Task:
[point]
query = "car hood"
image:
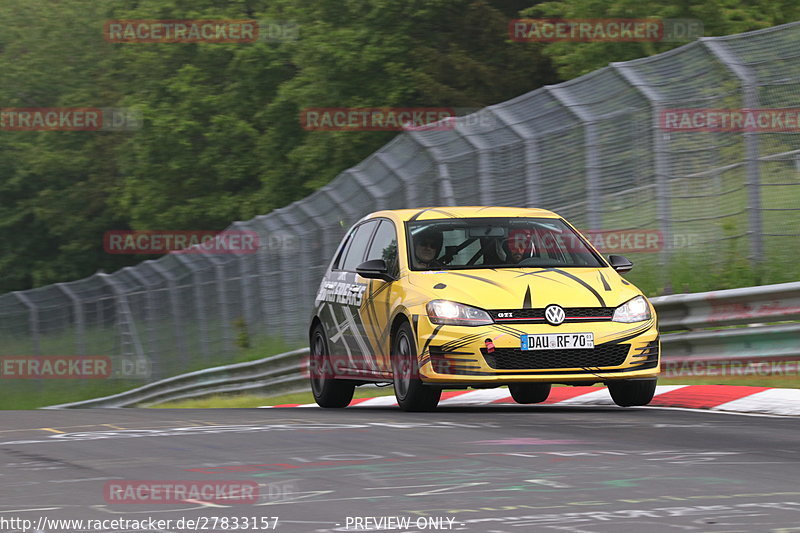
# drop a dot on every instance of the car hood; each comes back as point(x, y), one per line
point(526, 288)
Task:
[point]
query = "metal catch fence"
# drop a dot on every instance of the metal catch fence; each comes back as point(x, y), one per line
point(597, 149)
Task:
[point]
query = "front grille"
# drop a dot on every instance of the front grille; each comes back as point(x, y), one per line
point(536, 316)
point(516, 359)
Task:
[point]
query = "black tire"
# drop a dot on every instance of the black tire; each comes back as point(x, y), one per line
point(411, 393)
point(628, 393)
point(529, 392)
point(327, 391)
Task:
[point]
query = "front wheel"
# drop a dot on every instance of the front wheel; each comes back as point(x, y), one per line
point(529, 392)
point(411, 393)
point(328, 391)
point(629, 393)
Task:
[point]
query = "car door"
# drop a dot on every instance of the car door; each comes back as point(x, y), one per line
point(376, 305)
point(348, 291)
point(325, 302)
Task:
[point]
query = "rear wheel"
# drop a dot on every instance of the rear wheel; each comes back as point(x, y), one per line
point(628, 393)
point(328, 392)
point(529, 392)
point(411, 393)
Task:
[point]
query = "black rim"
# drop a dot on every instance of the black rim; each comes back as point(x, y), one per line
point(317, 363)
point(402, 378)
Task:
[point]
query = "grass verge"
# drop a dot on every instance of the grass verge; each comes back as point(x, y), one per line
point(34, 393)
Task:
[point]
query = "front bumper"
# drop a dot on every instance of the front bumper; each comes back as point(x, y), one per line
point(459, 354)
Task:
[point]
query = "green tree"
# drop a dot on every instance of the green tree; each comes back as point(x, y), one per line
point(719, 17)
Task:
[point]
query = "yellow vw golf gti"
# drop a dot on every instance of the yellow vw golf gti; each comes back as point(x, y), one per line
point(478, 297)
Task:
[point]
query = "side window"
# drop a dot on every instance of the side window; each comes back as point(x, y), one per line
point(384, 246)
point(342, 251)
point(358, 246)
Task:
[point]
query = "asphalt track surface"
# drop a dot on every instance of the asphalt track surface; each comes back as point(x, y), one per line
point(487, 469)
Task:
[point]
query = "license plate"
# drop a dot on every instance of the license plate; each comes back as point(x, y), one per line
point(557, 341)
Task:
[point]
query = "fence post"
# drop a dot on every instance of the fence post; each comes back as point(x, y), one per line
point(412, 197)
point(199, 302)
point(661, 168)
point(486, 196)
point(749, 85)
point(222, 300)
point(591, 145)
point(361, 177)
point(33, 321)
point(446, 196)
point(532, 171)
point(80, 323)
point(149, 309)
point(124, 320)
point(172, 289)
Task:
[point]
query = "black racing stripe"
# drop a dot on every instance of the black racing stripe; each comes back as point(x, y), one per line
point(470, 337)
point(433, 335)
point(526, 302)
point(580, 281)
point(508, 329)
point(415, 323)
point(627, 337)
point(460, 342)
point(625, 282)
point(606, 286)
point(538, 273)
point(490, 282)
point(637, 328)
point(388, 313)
point(417, 215)
point(372, 315)
point(382, 288)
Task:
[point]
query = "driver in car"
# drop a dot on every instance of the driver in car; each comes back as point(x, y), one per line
point(427, 245)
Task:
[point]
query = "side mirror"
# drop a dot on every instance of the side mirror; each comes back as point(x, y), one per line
point(374, 269)
point(620, 263)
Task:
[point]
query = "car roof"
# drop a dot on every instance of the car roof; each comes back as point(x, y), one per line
point(429, 213)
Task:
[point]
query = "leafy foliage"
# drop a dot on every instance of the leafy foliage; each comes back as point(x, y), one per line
point(221, 138)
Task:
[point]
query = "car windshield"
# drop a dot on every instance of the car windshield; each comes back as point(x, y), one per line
point(449, 244)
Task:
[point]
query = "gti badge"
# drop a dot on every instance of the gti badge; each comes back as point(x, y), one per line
point(554, 314)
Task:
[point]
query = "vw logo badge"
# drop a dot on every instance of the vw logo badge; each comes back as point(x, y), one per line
point(554, 314)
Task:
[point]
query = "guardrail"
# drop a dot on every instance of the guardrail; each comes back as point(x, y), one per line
point(684, 320)
point(277, 374)
point(748, 305)
point(766, 311)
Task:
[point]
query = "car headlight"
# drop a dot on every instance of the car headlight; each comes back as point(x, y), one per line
point(634, 310)
point(445, 312)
